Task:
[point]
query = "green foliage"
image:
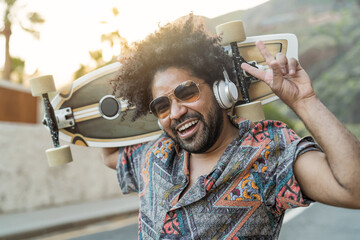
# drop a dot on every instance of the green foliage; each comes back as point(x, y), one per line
point(339, 87)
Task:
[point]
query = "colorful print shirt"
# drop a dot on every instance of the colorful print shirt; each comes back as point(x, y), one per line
point(243, 197)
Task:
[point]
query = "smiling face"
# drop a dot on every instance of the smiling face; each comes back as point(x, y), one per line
point(195, 126)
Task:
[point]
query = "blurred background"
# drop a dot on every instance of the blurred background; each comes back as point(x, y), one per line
point(70, 38)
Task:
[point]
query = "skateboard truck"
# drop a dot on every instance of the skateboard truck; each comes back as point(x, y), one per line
point(64, 118)
point(59, 155)
point(232, 33)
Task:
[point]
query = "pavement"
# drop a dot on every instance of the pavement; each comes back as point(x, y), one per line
point(320, 222)
point(315, 222)
point(29, 224)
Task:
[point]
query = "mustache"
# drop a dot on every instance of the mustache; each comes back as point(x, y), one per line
point(185, 117)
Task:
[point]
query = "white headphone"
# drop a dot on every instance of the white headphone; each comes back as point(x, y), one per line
point(225, 92)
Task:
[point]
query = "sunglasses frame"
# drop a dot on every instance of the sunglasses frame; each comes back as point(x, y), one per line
point(171, 92)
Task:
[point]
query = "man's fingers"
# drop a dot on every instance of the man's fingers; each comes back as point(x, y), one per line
point(293, 65)
point(283, 61)
point(277, 74)
point(253, 71)
point(264, 52)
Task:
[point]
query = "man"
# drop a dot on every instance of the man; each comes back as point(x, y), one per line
point(211, 176)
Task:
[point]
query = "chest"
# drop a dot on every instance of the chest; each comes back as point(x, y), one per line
point(198, 168)
point(188, 208)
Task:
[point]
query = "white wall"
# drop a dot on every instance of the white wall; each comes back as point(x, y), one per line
point(27, 183)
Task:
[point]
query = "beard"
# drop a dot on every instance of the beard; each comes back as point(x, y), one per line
point(207, 134)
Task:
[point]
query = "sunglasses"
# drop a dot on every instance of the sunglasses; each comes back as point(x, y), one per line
point(186, 92)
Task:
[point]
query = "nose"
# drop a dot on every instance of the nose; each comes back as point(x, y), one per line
point(177, 109)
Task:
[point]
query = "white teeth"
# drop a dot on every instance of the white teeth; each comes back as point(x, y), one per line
point(188, 125)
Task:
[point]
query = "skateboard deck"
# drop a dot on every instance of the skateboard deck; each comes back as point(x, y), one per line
point(88, 115)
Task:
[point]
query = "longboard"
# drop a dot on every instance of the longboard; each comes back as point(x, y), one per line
point(88, 115)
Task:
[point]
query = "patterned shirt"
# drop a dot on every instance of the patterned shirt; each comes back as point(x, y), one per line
point(243, 197)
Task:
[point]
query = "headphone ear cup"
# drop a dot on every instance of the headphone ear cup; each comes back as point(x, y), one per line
point(232, 92)
point(225, 94)
point(216, 94)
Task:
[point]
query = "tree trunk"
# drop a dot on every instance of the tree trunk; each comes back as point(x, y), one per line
point(8, 64)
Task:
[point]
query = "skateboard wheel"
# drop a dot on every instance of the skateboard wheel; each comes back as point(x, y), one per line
point(231, 32)
point(59, 156)
point(252, 111)
point(42, 85)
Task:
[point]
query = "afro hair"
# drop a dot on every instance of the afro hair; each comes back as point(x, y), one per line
point(183, 44)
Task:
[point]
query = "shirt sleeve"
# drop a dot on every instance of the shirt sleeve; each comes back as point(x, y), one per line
point(281, 189)
point(128, 167)
point(288, 193)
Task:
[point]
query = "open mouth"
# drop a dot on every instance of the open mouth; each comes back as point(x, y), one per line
point(188, 129)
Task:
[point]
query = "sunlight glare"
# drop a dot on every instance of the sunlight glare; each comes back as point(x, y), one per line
point(73, 28)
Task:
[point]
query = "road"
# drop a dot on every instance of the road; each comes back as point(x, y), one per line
point(323, 222)
point(316, 222)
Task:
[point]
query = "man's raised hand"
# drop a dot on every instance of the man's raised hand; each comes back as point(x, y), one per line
point(285, 77)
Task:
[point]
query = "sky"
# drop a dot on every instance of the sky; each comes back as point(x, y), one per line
point(72, 28)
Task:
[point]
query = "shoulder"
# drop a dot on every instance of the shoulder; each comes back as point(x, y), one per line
point(162, 149)
point(132, 150)
point(274, 131)
point(162, 146)
point(266, 129)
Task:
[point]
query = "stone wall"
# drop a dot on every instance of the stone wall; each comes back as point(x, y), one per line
point(27, 183)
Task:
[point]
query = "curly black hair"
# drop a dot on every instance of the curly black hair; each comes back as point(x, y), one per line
point(183, 44)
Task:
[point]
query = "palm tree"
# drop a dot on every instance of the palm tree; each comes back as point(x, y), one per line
point(9, 19)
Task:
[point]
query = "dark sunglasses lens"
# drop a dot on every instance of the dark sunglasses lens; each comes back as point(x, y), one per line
point(187, 92)
point(160, 107)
